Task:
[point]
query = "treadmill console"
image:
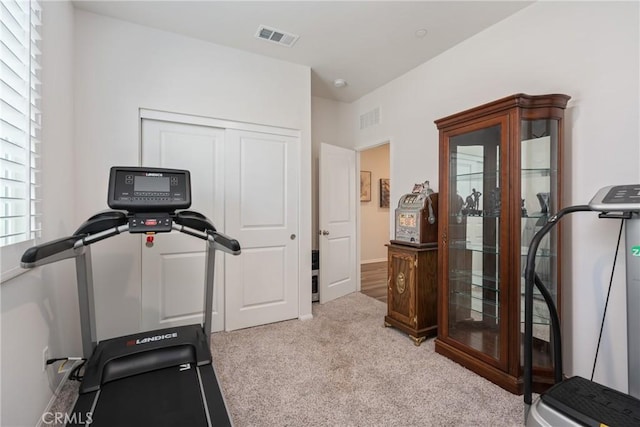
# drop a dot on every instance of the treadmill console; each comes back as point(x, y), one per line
point(143, 189)
point(617, 198)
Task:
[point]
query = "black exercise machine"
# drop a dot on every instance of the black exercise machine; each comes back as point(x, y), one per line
point(577, 401)
point(163, 377)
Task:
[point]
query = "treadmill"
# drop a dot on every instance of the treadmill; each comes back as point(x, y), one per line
point(577, 401)
point(163, 377)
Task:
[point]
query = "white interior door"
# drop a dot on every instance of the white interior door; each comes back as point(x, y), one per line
point(173, 270)
point(337, 220)
point(261, 211)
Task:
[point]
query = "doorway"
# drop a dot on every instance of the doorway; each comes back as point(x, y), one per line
point(375, 210)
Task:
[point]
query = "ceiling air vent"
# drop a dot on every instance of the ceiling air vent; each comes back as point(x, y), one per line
point(276, 36)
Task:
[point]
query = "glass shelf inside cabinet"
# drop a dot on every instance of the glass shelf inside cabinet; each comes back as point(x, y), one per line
point(476, 176)
point(482, 302)
point(476, 278)
point(537, 172)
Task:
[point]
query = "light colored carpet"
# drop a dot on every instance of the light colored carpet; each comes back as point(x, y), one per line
point(344, 368)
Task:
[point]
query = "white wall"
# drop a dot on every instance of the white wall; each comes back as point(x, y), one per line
point(121, 67)
point(588, 50)
point(374, 220)
point(40, 307)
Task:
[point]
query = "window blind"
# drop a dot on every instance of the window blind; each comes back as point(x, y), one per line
point(20, 121)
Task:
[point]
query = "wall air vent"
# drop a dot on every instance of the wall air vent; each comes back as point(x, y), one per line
point(276, 36)
point(370, 118)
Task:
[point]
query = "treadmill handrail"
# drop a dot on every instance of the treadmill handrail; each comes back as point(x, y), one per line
point(224, 243)
point(93, 238)
point(69, 247)
point(195, 220)
point(50, 252)
point(102, 221)
point(219, 240)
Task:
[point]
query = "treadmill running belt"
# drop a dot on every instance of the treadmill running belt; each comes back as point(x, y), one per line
point(166, 397)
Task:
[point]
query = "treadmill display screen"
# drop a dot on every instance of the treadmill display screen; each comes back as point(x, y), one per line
point(151, 184)
point(153, 190)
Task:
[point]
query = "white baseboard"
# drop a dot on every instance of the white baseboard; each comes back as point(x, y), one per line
point(306, 317)
point(371, 261)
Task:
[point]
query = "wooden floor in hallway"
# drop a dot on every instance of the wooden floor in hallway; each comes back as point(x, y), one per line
point(373, 280)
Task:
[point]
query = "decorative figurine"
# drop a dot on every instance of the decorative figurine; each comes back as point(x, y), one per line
point(543, 199)
point(476, 200)
point(458, 207)
point(492, 207)
point(468, 205)
point(472, 203)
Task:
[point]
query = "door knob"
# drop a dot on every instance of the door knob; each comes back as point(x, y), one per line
point(325, 233)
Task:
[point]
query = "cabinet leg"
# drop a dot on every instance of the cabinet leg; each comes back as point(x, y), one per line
point(417, 340)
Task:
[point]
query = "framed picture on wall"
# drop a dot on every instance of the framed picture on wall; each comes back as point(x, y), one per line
point(365, 186)
point(385, 192)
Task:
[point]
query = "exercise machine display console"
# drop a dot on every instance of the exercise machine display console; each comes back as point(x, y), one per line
point(577, 401)
point(149, 189)
point(620, 198)
point(163, 377)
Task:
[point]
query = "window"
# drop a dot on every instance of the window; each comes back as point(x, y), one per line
point(20, 131)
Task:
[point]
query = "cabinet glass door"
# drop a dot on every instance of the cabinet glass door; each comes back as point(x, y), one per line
point(539, 193)
point(474, 312)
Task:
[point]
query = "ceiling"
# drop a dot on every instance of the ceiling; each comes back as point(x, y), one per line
point(366, 43)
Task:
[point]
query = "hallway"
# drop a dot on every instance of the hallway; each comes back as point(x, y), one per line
point(374, 280)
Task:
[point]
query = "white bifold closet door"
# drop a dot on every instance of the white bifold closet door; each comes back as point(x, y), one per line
point(246, 182)
point(173, 269)
point(261, 209)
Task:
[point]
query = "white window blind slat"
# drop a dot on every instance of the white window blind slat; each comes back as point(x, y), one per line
point(12, 74)
point(20, 121)
point(13, 18)
point(15, 55)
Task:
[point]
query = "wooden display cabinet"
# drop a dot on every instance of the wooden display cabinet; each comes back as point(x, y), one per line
point(412, 290)
point(500, 179)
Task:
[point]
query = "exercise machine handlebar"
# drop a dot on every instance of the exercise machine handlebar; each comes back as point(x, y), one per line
point(111, 223)
point(531, 279)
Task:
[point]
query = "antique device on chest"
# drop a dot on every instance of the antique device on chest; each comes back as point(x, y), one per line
point(412, 266)
point(416, 218)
